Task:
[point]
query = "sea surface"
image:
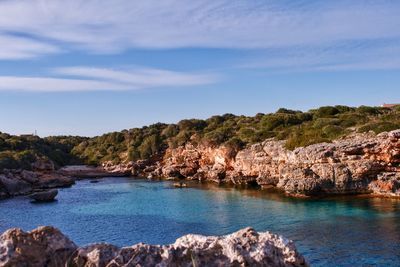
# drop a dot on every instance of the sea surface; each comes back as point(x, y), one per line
point(346, 231)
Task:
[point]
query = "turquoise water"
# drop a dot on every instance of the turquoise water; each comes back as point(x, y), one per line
point(330, 232)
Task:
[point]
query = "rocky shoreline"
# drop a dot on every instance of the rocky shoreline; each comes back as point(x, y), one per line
point(44, 177)
point(47, 246)
point(356, 164)
point(24, 182)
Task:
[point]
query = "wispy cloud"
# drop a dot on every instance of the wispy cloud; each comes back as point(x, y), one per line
point(100, 79)
point(141, 77)
point(305, 34)
point(110, 26)
point(12, 47)
point(378, 55)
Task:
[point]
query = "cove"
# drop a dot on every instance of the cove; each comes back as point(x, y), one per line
point(345, 231)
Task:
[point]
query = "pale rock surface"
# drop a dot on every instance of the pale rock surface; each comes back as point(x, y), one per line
point(243, 248)
point(345, 166)
point(44, 246)
point(47, 246)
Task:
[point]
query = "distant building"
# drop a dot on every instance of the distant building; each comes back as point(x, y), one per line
point(390, 105)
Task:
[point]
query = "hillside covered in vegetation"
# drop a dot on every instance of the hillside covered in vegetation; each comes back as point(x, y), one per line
point(21, 151)
point(298, 128)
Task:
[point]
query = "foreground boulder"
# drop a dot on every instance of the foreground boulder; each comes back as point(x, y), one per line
point(46, 246)
point(44, 196)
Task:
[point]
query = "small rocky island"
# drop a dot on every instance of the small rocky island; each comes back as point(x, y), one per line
point(47, 246)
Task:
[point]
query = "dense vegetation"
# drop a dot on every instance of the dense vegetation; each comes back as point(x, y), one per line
point(21, 151)
point(298, 128)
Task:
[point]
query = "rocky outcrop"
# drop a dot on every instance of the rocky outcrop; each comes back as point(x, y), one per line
point(387, 184)
point(345, 166)
point(23, 182)
point(45, 196)
point(355, 164)
point(85, 171)
point(46, 246)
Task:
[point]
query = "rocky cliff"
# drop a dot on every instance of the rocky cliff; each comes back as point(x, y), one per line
point(47, 246)
point(358, 163)
point(22, 182)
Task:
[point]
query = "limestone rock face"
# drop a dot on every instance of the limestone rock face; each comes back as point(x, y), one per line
point(345, 166)
point(14, 186)
point(23, 182)
point(85, 171)
point(350, 165)
point(43, 165)
point(44, 246)
point(243, 248)
point(387, 184)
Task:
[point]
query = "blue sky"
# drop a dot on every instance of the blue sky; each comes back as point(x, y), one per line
point(87, 67)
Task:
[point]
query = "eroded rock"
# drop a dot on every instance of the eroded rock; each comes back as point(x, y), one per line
point(387, 184)
point(47, 246)
point(243, 248)
point(345, 166)
point(44, 246)
point(45, 196)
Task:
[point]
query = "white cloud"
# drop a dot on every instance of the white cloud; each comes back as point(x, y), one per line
point(347, 56)
point(12, 47)
point(98, 79)
point(48, 84)
point(140, 77)
point(292, 34)
point(105, 26)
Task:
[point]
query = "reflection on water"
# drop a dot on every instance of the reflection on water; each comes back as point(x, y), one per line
point(340, 231)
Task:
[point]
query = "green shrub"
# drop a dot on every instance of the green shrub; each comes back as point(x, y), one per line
point(379, 127)
point(324, 112)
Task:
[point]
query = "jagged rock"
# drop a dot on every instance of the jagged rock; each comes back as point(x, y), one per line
point(387, 184)
point(54, 180)
point(347, 165)
point(94, 255)
point(44, 196)
point(47, 246)
point(44, 246)
point(171, 171)
point(43, 165)
point(14, 186)
point(29, 176)
point(22, 182)
point(84, 171)
point(243, 248)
